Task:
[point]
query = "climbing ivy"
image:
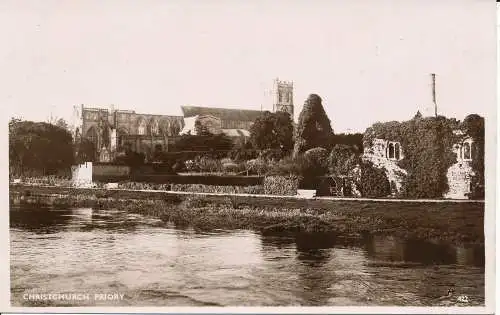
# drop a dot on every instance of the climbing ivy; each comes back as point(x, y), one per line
point(427, 145)
point(473, 125)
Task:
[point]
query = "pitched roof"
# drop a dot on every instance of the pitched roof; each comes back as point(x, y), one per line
point(222, 113)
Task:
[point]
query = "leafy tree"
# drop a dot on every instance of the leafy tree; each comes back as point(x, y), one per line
point(62, 123)
point(272, 131)
point(39, 148)
point(85, 151)
point(343, 158)
point(314, 128)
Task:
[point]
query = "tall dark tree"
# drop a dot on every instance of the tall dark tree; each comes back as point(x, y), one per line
point(314, 128)
point(272, 131)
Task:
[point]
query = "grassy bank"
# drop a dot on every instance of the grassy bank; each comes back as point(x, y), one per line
point(453, 223)
point(457, 223)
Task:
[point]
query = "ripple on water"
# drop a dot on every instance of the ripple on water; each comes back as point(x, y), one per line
point(154, 264)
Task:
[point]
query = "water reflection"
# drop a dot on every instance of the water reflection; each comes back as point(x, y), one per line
point(156, 263)
point(39, 220)
point(391, 249)
point(50, 220)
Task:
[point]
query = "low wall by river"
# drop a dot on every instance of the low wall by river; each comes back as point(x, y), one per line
point(16, 191)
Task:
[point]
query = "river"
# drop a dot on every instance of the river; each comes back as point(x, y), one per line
point(87, 257)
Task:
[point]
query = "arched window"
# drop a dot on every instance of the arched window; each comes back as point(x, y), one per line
point(391, 151)
point(91, 135)
point(467, 151)
point(141, 127)
point(122, 137)
point(155, 127)
point(397, 153)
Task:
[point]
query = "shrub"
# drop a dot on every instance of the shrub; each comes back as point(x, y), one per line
point(316, 162)
point(343, 158)
point(232, 167)
point(374, 182)
point(200, 188)
point(311, 164)
point(288, 166)
point(257, 166)
point(197, 179)
point(207, 164)
point(179, 166)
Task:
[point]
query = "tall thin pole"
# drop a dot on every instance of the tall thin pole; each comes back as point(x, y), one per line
point(433, 75)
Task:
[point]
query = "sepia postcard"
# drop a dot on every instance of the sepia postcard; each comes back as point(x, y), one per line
point(169, 156)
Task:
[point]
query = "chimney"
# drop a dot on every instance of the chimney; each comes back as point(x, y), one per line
point(433, 75)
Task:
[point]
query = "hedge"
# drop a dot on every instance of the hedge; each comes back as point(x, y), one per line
point(185, 179)
point(281, 185)
point(199, 188)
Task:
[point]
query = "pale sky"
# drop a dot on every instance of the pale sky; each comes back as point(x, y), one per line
point(369, 60)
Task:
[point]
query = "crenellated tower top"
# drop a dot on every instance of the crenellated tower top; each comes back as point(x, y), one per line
point(283, 96)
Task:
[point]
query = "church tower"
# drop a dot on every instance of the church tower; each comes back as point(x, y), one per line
point(283, 97)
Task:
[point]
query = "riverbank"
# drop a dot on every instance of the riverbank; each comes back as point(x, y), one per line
point(457, 222)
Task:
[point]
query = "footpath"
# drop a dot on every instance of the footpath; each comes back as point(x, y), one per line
point(159, 194)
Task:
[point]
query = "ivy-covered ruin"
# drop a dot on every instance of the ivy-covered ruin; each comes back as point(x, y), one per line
point(423, 156)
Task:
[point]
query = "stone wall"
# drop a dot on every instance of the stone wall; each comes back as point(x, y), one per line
point(110, 170)
point(378, 155)
point(459, 180)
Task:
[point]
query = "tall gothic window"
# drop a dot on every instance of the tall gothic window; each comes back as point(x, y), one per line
point(141, 128)
point(397, 152)
point(467, 151)
point(155, 128)
point(391, 150)
point(92, 135)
